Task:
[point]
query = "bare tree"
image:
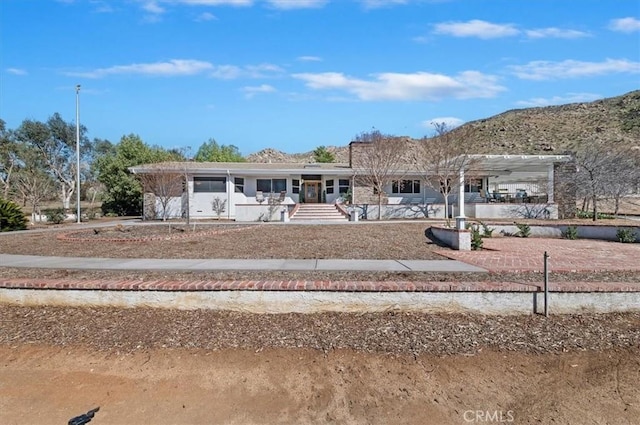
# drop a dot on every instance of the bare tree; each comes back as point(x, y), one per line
point(623, 176)
point(166, 184)
point(605, 172)
point(443, 157)
point(378, 162)
point(219, 206)
point(55, 143)
point(34, 186)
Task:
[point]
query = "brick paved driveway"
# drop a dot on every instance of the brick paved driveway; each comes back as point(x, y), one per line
point(520, 254)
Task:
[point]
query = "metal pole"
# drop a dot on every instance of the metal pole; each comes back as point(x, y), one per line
point(546, 285)
point(78, 152)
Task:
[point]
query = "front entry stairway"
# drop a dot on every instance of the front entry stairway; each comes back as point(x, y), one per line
point(318, 212)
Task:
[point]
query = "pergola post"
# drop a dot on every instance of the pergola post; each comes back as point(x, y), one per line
point(550, 183)
point(460, 224)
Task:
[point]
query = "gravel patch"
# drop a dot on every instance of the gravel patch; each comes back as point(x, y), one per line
point(126, 330)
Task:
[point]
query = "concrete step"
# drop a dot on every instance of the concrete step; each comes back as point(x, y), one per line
point(324, 212)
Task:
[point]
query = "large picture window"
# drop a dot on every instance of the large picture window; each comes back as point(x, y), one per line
point(209, 184)
point(406, 186)
point(271, 185)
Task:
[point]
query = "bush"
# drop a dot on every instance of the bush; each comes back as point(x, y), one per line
point(524, 230)
point(476, 239)
point(589, 214)
point(56, 216)
point(487, 231)
point(626, 235)
point(11, 216)
point(571, 233)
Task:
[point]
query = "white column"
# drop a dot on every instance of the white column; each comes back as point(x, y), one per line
point(460, 225)
point(550, 184)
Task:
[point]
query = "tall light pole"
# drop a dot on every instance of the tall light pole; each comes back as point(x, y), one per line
point(78, 151)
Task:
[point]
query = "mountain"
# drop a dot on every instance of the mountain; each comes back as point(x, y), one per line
point(533, 131)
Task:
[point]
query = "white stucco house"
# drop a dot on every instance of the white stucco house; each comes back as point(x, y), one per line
point(501, 186)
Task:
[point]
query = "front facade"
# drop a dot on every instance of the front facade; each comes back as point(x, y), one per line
point(501, 186)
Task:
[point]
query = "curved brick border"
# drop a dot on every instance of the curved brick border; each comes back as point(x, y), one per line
point(306, 285)
point(68, 237)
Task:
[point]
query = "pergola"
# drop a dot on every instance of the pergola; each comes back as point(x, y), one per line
point(510, 169)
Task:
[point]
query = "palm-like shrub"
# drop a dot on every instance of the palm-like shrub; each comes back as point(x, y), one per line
point(11, 216)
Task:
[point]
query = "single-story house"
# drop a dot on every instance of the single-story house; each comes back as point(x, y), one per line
point(500, 186)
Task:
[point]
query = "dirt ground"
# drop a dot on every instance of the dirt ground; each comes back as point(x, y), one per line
point(153, 366)
point(49, 385)
point(144, 366)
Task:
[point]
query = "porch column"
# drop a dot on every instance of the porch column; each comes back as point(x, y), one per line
point(460, 225)
point(550, 184)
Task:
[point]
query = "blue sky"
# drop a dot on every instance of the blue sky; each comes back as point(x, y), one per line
point(296, 74)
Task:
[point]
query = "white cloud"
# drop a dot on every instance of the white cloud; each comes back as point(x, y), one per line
point(559, 100)
point(374, 4)
point(297, 4)
point(16, 71)
point(309, 59)
point(555, 33)
point(251, 91)
point(101, 6)
point(547, 70)
point(476, 28)
point(226, 72)
point(625, 24)
point(206, 16)
point(174, 67)
point(449, 122)
point(212, 2)
point(184, 67)
point(400, 87)
point(152, 7)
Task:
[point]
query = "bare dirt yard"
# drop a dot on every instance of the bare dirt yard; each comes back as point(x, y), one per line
point(162, 366)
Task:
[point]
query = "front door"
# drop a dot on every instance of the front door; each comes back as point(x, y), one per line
point(312, 192)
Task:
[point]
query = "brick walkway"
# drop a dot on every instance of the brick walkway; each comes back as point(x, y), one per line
point(499, 255)
point(526, 254)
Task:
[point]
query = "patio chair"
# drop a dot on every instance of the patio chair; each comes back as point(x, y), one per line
point(259, 196)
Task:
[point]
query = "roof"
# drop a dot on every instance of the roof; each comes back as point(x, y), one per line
point(247, 168)
point(486, 164)
point(511, 163)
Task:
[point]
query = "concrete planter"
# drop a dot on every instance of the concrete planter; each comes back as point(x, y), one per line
point(459, 240)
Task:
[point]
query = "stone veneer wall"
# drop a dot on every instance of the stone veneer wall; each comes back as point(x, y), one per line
point(564, 188)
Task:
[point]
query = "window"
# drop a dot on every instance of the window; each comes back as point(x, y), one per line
point(343, 186)
point(329, 186)
point(239, 184)
point(295, 185)
point(473, 185)
point(209, 184)
point(405, 186)
point(271, 185)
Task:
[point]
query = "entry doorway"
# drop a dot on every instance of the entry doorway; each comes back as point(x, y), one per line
point(312, 191)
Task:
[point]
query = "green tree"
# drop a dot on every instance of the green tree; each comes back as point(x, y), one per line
point(322, 154)
point(11, 216)
point(211, 151)
point(9, 160)
point(55, 142)
point(123, 191)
